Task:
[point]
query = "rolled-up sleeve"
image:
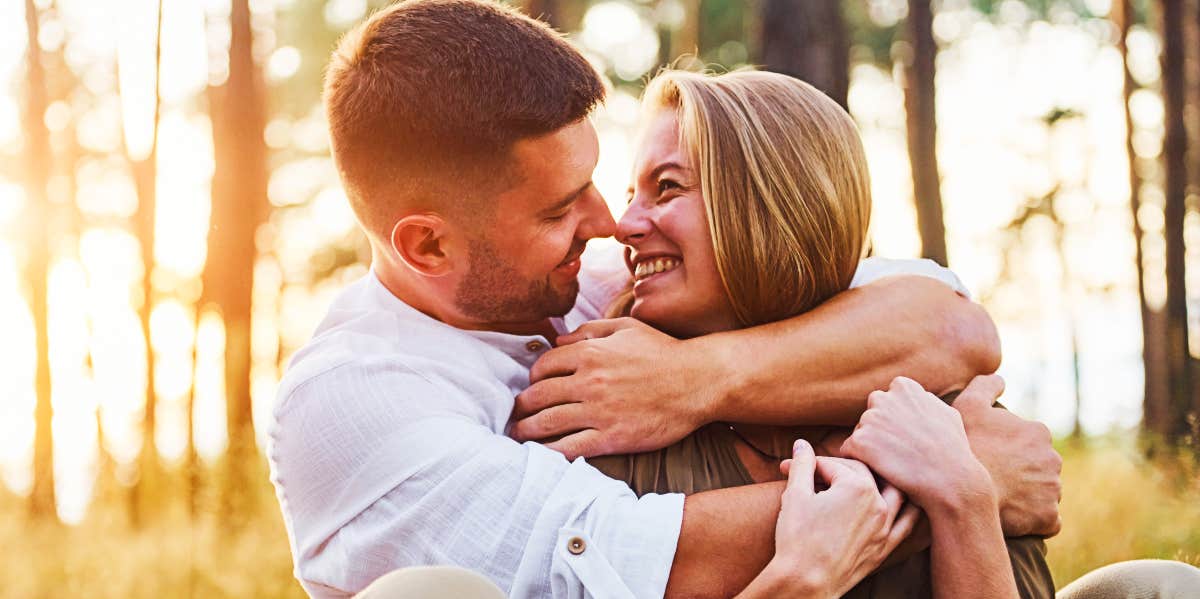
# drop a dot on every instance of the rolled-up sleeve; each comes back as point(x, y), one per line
point(874, 268)
point(371, 480)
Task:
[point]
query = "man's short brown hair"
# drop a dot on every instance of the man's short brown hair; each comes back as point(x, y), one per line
point(426, 97)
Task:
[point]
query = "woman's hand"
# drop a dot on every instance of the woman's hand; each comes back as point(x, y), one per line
point(827, 541)
point(918, 443)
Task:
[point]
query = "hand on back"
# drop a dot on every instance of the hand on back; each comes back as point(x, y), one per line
point(1019, 455)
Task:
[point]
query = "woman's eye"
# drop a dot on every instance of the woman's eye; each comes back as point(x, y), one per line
point(667, 184)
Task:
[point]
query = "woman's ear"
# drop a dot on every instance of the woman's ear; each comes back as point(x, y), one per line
point(422, 241)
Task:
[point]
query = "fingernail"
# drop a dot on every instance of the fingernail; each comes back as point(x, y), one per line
point(798, 445)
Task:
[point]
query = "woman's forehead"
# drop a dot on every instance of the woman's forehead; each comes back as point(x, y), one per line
point(658, 143)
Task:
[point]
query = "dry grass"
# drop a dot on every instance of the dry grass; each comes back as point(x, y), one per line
point(1116, 506)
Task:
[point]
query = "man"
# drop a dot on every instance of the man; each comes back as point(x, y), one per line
point(459, 130)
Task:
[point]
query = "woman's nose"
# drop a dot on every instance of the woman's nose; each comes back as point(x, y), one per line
point(634, 225)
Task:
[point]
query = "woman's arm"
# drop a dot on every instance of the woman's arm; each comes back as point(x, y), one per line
point(968, 556)
point(918, 443)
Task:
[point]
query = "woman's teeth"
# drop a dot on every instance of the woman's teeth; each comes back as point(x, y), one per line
point(654, 266)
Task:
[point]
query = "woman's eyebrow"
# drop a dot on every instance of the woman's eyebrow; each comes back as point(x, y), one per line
point(664, 166)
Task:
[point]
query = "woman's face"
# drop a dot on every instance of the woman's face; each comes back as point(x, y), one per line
point(669, 246)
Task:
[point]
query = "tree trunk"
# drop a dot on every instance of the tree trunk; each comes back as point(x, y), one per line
point(1195, 46)
point(806, 39)
point(1153, 343)
point(145, 179)
point(922, 131)
point(42, 502)
point(1174, 154)
point(239, 205)
point(685, 41)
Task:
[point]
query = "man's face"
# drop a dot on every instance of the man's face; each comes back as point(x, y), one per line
point(524, 261)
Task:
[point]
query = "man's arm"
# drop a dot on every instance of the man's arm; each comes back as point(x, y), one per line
point(622, 386)
point(374, 471)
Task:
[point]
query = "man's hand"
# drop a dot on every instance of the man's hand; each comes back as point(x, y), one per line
point(607, 389)
point(1018, 455)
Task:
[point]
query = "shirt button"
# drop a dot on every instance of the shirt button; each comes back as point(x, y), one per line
point(535, 346)
point(576, 545)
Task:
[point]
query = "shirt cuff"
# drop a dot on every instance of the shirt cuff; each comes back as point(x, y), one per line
point(622, 543)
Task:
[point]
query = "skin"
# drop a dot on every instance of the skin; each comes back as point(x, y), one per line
point(666, 218)
point(918, 443)
point(621, 386)
point(816, 373)
point(848, 545)
point(727, 536)
point(538, 225)
point(523, 256)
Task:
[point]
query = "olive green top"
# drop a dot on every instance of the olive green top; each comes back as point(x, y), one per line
point(707, 459)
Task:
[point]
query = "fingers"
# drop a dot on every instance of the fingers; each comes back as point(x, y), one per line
point(903, 383)
point(840, 470)
point(875, 398)
point(785, 467)
point(551, 422)
point(852, 447)
point(801, 468)
point(542, 395)
point(586, 443)
point(560, 361)
point(594, 330)
point(902, 526)
point(893, 498)
point(980, 393)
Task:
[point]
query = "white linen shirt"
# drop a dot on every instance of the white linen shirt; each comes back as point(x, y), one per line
point(387, 449)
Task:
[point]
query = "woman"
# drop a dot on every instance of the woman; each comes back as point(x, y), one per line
point(751, 204)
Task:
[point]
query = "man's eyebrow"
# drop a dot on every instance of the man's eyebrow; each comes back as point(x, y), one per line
point(566, 201)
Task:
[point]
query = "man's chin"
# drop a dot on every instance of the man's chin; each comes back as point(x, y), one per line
point(565, 299)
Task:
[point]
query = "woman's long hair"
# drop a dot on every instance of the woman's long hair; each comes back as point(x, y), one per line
point(784, 179)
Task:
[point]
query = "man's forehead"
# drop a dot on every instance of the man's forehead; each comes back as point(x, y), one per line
point(559, 162)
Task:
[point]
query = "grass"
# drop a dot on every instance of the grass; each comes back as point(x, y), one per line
point(1116, 505)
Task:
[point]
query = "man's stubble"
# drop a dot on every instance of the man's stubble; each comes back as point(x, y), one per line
point(494, 291)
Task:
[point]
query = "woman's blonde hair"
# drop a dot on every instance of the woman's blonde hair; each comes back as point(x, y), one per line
point(785, 184)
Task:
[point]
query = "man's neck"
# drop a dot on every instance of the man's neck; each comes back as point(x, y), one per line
point(431, 307)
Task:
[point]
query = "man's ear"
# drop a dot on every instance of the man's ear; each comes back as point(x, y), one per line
point(423, 242)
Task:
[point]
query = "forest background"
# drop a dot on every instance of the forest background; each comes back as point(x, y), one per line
point(172, 229)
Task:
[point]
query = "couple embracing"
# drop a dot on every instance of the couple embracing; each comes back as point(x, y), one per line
point(736, 404)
